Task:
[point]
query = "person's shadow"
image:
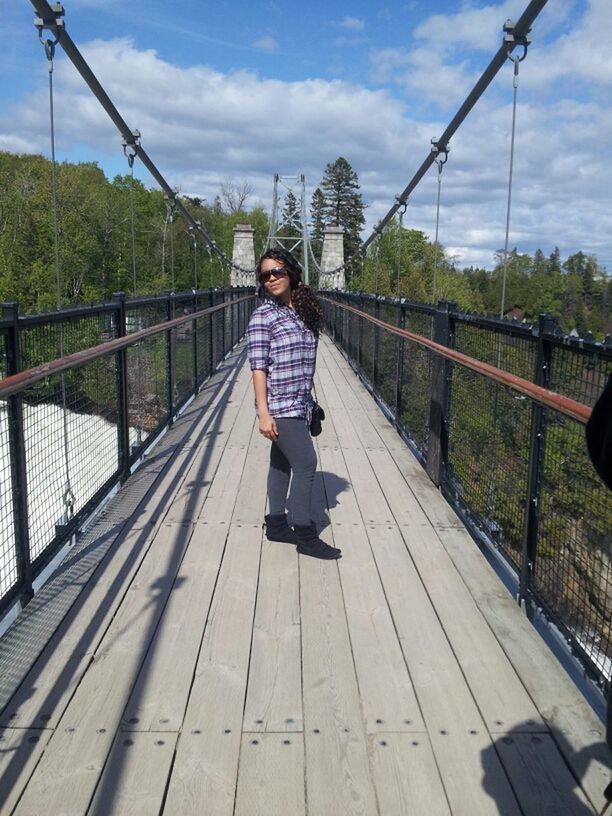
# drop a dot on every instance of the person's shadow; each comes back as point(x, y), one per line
point(325, 491)
point(538, 767)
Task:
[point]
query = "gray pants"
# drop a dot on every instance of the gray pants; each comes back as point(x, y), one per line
point(292, 454)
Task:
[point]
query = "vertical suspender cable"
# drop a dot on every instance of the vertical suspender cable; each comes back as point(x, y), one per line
point(516, 60)
point(68, 495)
point(130, 149)
point(400, 232)
point(441, 157)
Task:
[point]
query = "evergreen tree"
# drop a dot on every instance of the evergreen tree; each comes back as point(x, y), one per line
point(344, 207)
point(290, 218)
point(317, 221)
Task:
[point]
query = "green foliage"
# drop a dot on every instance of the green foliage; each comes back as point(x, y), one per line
point(577, 291)
point(95, 236)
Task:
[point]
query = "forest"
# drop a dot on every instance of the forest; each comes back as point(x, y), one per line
point(95, 248)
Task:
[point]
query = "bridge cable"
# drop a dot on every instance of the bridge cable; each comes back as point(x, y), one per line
point(49, 17)
point(170, 207)
point(68, 496)
point(129, 151)
point(441, 157)
point(520, 30)
point(400, 231)
point(516, 59)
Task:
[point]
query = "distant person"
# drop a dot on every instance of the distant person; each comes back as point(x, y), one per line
point(282, 347)
point(599, 444)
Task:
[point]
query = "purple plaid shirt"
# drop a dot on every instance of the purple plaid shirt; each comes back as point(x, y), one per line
point(280, 344)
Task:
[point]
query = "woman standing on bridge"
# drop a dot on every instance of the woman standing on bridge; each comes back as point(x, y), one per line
point(282, 346)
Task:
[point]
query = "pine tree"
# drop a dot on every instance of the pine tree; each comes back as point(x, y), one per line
point(344, 207)
point(317, 221)
point(290, 218)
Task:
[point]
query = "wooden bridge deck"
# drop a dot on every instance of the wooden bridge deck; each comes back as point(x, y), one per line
point(203, 670)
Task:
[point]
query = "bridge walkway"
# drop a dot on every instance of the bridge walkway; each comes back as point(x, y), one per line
point(203, 669)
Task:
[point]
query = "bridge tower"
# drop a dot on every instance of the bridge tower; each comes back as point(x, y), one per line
point(289, 224)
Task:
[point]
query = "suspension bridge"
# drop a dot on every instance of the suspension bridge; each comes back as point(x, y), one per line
point(161, 656)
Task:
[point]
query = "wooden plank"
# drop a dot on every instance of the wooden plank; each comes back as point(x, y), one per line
point(363, 414)
point(577, 729)
point(160, 695)
point(50, 684)
point(68, 772)
point(250, 504)
point(388, 700)
point(501, 698)
point(406, 775)
point(134, 779)
point(338, 776)
point(274, 695)
point(20, 751)
point(542, 781)
point(455, 726)
point(271, 778)
point(204, 773)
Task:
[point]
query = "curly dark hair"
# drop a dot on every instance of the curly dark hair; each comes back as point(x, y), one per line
point(304, 300)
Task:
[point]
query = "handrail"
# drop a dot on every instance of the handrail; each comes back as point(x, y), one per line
point(565, 405)
point(24, 379)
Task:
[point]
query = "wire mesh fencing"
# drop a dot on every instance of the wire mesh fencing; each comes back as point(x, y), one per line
point(517, 472)
point(67, 438)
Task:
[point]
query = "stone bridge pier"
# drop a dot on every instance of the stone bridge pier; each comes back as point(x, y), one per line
point(332, 259)
point(243, 255)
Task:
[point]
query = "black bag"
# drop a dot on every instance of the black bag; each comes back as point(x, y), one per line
point(318, 415)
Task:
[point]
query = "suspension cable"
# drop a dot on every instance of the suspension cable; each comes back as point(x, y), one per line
point(68, 496)
point(48, 18)
point(400, 230)
point(170, 207)
point(130, 150)
point(440, 158)
point(520, 30)
point(516, 59)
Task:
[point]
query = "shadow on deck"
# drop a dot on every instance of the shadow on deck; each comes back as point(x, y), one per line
point(185, 665)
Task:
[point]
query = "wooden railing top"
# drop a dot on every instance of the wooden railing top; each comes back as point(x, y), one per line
point(543, 396)
point(25, 379)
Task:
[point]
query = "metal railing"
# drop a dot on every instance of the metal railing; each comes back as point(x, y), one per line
point(83, 392)
point(495, 412)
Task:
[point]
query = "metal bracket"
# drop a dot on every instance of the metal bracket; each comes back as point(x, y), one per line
point(440, 153)
point(512, 40)
point(130, 147)
point(56, 26)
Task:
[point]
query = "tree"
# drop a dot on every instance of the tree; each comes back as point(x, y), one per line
point(344, 207)
point(234, 196)
point(290, 226)
point(317, 221)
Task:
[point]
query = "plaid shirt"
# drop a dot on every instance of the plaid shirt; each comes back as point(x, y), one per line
point(280, 344)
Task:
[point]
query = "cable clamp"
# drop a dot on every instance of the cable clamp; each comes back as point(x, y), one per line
point(130, 147)
point(512, 40)
point(440, 153)
point(56, 26)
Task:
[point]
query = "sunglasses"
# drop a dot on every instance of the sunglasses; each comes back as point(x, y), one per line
point(278, 272)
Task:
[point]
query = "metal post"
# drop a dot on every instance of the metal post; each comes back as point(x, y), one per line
point(223, 314)
point(211, 334)
point(123, 421)
point(437, 448)
point(360, 332)
point(546, 325)
point(194, 336)
point(169, 366)
point(19, 482)
point(375, 366)
point(399, 372)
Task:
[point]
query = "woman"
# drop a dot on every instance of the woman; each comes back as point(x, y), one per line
point(282, 346)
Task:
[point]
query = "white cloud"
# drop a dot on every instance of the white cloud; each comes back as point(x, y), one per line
point(265, 43)
point(352, 23)
point(202, 126)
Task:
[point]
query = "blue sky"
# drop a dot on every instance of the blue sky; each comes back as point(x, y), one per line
point(244, 90)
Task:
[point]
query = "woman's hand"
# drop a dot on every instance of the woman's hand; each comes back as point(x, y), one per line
point(267, 427)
